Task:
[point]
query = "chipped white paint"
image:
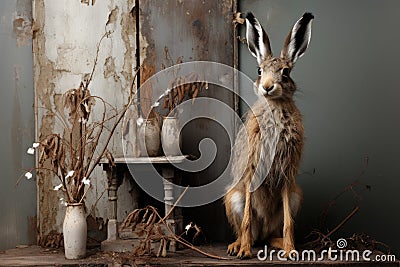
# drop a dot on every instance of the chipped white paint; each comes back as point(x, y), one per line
point(143, 47)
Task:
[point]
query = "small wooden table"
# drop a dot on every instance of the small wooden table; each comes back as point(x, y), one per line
point(115, 175)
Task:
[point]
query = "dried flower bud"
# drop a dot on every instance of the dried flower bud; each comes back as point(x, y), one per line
point(28, 175)
point(139, 121)
point(57, 187)
point(70, 174)
point(85, 181)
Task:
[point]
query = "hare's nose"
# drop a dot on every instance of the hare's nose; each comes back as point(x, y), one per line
point(269, 89)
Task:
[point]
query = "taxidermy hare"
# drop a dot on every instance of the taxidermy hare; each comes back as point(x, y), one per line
point(264, 197)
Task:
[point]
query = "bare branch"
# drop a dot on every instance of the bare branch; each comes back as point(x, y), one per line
point(131, 98)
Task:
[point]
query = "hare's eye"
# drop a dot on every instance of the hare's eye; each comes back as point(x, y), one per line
point(259, 70)
point(285, 72)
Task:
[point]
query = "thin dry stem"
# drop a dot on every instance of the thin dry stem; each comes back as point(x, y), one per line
point(325, 238)
point(106, 34)
point(131, 98)
point(133, 217)
point(348, 217)
point(348, 188)
point(75, 148)
point(176, 203)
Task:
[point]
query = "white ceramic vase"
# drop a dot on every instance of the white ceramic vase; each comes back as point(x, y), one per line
point(75, 232)
point(170, 136)
point(149, 138)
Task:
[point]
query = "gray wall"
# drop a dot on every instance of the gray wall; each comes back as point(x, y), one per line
point(349, 96)
point(17, 203)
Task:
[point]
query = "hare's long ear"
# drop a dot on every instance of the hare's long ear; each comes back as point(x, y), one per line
point(257, 39)
point(298, 38)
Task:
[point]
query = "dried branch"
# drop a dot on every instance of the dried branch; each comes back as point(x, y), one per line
point(350, 188)
point(348, 217)
point(84, 194)
point(131, 98)
point(187, 244)
point(323, 240)
point(182, 88)
point(72, 151)
point(58, 116)
point(176, 203)
point(106, 34)
point(146, 224)
point(97, 138)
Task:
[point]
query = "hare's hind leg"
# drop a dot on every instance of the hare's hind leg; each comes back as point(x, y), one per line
point(245, 228)
point(291, 198)
point(234, 206)
point(238, 211)
point(295, 199)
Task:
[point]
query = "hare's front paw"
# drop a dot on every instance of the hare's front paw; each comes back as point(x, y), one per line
point(244, 252)
point(233, 248)
point(287, 250)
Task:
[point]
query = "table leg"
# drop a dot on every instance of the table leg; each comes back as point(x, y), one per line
point(174, 220)
point(112, 231)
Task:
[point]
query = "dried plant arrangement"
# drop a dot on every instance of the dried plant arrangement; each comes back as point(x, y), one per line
point(180, 88)
point(73, 152)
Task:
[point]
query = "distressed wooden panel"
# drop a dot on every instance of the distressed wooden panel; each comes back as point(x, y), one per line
point(189, 30)
point(192, 30)
point(66, 44)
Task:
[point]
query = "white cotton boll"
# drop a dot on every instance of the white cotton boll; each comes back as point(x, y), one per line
point(70, 174)
point(57, 187)
point(35, 145)
point(156, 104)
point(139, 121)
point(188, 227)
point(30, 151)
point(86, 181)
point(28, 175)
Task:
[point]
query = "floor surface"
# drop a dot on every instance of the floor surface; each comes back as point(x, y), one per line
point(37, 256)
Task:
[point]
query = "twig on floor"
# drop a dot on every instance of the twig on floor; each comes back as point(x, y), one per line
point(145, 225)
point(348, 217)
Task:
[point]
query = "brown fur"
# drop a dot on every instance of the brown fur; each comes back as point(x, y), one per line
point(264, 208)
point(264, 197)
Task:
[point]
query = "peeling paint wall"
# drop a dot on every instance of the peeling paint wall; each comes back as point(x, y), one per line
point(66, 38)
point(17, 203)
